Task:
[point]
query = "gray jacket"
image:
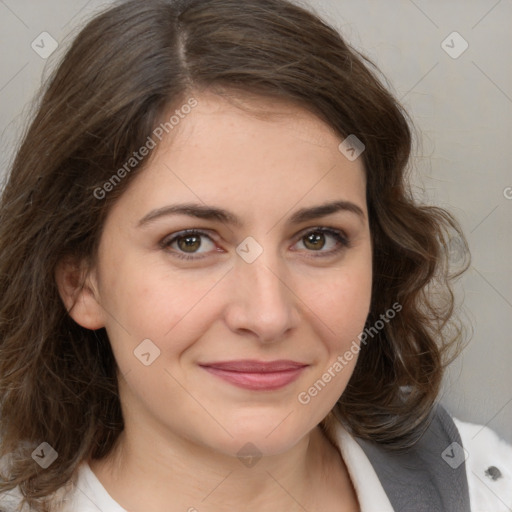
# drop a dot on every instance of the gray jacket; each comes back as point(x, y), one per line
point(431, 476)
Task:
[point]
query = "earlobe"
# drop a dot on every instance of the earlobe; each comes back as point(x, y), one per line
point(78, 291)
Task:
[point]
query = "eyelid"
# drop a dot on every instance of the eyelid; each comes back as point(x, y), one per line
point(324, 229)
point(184, 232)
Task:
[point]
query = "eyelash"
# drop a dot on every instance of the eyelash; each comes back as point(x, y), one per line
point(339, 236)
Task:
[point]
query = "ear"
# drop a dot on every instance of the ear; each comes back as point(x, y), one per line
point(77, 285)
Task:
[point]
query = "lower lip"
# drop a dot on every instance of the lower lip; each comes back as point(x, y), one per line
point(258, 381)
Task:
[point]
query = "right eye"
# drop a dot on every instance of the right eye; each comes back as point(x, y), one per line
point(185, 244)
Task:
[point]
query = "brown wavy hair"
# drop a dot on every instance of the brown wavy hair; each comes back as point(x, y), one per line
point(128, 66)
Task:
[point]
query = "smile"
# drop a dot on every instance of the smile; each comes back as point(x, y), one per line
point(257, 375)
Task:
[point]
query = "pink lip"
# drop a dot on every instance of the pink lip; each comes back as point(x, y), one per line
point(257, 375)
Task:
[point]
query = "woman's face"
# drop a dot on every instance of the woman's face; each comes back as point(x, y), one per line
point(275, 268)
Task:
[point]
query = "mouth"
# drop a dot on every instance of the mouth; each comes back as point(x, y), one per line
point(256, 375)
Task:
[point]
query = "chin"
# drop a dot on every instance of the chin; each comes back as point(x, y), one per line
point(265, 435)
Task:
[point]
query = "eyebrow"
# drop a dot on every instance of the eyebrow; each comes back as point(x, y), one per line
point(201, 211)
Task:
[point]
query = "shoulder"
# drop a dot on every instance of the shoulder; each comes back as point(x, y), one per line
point(454, 466)
point(488, 467)
point(416, 477)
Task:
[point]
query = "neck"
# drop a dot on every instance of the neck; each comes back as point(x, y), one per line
point(148, 476)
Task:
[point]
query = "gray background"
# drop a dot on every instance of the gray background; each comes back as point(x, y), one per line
point(462, 108)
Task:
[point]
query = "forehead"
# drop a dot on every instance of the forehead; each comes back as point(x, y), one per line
point(249, 151)
point(251, 120)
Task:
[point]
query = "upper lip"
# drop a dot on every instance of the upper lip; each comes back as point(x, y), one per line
point(254, 366)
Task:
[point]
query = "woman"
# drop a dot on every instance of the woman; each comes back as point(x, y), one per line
point(217, 288)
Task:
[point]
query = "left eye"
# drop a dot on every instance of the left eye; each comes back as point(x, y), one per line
point(323, 240)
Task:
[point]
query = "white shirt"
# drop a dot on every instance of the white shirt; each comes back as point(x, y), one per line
point(488, 468)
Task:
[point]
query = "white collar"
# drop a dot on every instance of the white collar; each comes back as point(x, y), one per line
point(369, 490)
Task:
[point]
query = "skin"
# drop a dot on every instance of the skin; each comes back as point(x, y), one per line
point(297, 301)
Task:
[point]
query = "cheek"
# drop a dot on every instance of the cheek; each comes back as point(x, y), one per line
point(342, 302)
point(339, 315)
point(341, 310)
point(147, 301)
point(350, 307)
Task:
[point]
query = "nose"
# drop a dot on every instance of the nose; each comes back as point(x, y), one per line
point(262, 302)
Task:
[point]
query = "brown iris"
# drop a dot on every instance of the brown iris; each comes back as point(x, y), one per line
point(189, 243)
point(314, 240)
